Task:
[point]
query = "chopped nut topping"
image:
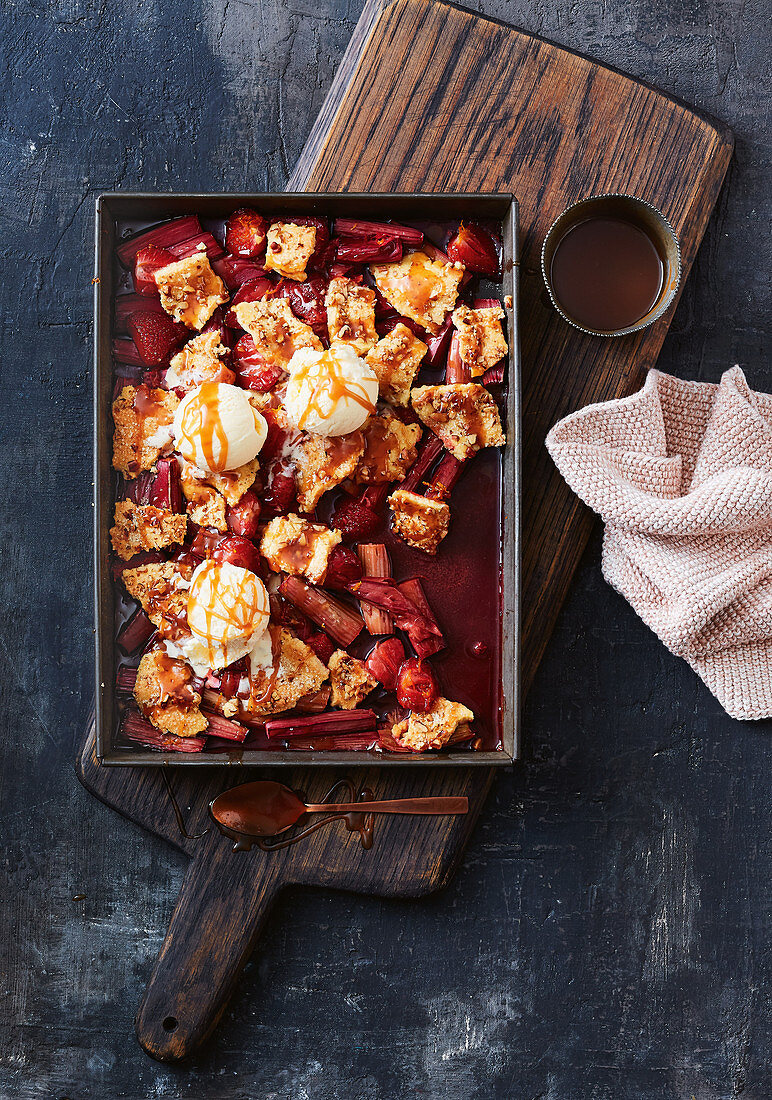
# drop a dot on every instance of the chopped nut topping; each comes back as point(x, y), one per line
point(390, 448)
point(323, 462)
point(198, 362)
point(144, 527)
point(420, 288)
point(275, 329)
point(300, 673)
point(289, 249)
point(395, 360)
point(143, 427)
point(351, 314)
point(463, 415)
point(162, 589)
point(433, 728)
point(291, 544)
point(166, 695)
point(420, 522)
point(481, 342)
point(350, 680)
point(190, 290)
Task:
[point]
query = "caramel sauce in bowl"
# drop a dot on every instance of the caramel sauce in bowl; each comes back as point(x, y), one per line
point(611, 264)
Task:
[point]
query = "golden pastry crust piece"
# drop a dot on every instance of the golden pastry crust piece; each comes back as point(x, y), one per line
point(351, 314)
point(481, 342)
point(206, 507)
point(143, 427)
point(288, 249)
point(350, 680)
point(199, 361)
point(419, 521)
point(291, 544)
point(390, 448)
point(433, 728)
point(166, 696)
point(276, 331)
point(420, 288)
point(322, 462)
point(141, 527)
point(190, 291)
point(395, 360)
point(464, 416)
point(300, 673)
point(162, 590)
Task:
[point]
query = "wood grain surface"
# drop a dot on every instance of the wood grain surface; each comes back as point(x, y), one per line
point(477, 105)
point(545, 136)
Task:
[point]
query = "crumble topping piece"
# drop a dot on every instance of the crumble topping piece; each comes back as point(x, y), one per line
point(199, 361)
point(351, 314)
point(190, 290)
point(463, 415)
point(433, 728)
point(143, 427)
point(390, 448)
point(206, 507)
point(299, 673)
point(481, 342)
point(291, 544)
point(420, 288)
point(289, 249)
point(322, 462)
point(166, 695)
point(275, 329)
point(350, 680)
point(162, 589)
point(144, 527)
point(419, 521)
point(395, 360)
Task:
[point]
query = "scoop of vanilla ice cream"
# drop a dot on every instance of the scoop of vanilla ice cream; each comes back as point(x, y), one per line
point(228, 612)
point(330, 392)
point(215, 428)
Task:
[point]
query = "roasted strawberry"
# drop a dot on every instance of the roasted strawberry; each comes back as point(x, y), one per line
point(245, 233)
point(307, 300)
point(322, 646)
point(250, 366)
point(475, 248)
point(355, 520)
point(251, 291)
point(238, 551)
point(155, 336)
point(416, 686)
point(278, 497)
point(205, 542)
point(149, 260)
point(244, 517)
point(385, 660)
point(343, 568)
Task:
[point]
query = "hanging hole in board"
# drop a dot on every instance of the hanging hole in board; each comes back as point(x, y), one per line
point(170, 1023)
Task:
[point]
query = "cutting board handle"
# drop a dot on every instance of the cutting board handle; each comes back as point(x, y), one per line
point(224, 901)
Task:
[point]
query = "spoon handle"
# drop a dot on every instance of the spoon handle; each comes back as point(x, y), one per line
point(438, 805)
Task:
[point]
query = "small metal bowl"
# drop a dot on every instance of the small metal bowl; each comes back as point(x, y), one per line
point(633, 209)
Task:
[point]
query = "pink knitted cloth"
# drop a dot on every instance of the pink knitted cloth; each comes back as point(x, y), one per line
point(681, 473)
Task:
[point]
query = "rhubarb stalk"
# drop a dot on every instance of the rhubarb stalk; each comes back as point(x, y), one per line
point(321, 725)
point(375, 563)
point(456, 369)
point(334, 617)
point(429, 450)
point(137, 728)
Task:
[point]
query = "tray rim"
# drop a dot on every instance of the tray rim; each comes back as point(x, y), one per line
point(102, 384)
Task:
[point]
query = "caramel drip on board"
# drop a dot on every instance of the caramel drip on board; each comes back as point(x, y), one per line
point(330, 388)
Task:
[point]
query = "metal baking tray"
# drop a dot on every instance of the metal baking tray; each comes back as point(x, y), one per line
point(139, 210)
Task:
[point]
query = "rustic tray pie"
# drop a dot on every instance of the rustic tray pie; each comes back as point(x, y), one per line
point(472, 584)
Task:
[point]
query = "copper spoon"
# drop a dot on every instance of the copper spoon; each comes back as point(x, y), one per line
point(266, 808)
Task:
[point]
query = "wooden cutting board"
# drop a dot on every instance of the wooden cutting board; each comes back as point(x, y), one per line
point(432, 97)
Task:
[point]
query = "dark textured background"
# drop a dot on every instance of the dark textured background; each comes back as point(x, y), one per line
point(605, 935)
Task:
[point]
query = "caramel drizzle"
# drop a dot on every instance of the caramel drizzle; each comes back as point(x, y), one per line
point(330, 388)
point(416, 281)
point(262, 684)
point(201, 421)
point(240, 615)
